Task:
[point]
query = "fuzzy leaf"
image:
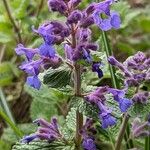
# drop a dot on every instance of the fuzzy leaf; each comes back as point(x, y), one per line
point(43, 145)
point(57, 78)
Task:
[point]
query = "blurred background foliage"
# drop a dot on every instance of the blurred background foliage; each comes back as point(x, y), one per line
point(27, 104)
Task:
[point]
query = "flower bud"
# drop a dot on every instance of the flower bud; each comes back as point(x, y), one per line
point(74, 17)
point(57, 5)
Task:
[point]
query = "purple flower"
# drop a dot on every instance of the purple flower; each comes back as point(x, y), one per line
point(57, 5)
point(47, 50)
point(107, 120)
point(28, 139)
point(88, 144)
point(84, 35)
point(105, 116)
point(68, 51)
point(28, 52)
point(34, 82)
point(54, 62)
point(53, 32)
point(97, 95)
point(31, 67)
point(74, 17)
point(139, 129)
point(46, 131)
point(112, 20)
point(95, 68)
point(119, 96)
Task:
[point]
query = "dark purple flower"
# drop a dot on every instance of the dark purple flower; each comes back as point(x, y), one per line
point(119, 96)
point(96, 68)
point(53, 32)
point(28, 52)
point(97, 95)
point(47, 50)
point(74, 17)
point(57, 5)
point(84, 35)
point(88, 144)
point(54, 62)
point(88, 21)
point(46, 131)
point(34, 82)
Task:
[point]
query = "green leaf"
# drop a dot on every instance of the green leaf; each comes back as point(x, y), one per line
point(4, 145)
point(57, 78)
point(21, 9)
point(140, 110)
point(10, 136)
point(6, 74)
point(43, 145)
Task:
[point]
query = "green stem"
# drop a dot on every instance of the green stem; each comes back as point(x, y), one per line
point(110, 53)
point(12, 20)
point(5, 106)
point(11, 124)
point(147, 143)
point(122, 132)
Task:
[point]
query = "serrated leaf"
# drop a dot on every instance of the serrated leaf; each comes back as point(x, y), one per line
point(57, 78)
point(140, 110)
point(43, 145)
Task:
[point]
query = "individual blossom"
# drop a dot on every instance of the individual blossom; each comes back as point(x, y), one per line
point(105, 116)
point(57, 5)
point(47, 50)
point(88, 131)
point(74, 17)
point(46, 131)
point(95, 12)
point(98, 98)
point(28, 52)
point(119, 96)
point(96, 68)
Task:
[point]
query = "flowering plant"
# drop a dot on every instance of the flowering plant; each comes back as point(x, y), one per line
point(67, 70)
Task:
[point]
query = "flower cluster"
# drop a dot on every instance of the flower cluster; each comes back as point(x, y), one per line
point(98, 98)
point(136, 70)
point(140, 129)
point(74, 34)
point(46, 131)
point(88, 132)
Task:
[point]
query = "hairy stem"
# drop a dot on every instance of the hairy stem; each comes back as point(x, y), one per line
point(77, 90)
point(122, 132)
point(16, 28)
